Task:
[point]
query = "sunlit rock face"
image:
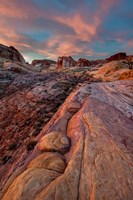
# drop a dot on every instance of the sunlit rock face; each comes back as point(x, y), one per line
point(64, 62)
point(118, 56)
point(114, 70)
point(98, 120)
point(82, 62)
point(10, 53)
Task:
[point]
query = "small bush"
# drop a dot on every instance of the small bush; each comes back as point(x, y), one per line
point(31, 145)
point(5, 158)
point(12, 146)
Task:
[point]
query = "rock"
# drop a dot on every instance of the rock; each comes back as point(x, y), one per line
point(99, 162)
point(30, 183)
point(10, 53)
point(118, 56)
point(82, 62)
point(112, 71)
point(50, 161)
point(45, 63)
point(28, 100)
point(54, 141)
point(74, 107)
point(64, 62)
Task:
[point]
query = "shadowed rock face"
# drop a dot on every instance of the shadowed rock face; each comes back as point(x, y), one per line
point(10, 53)
point(83, 62)
point(98, 120)
point(118, 56)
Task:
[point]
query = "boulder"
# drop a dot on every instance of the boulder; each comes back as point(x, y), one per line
point(50, 161)
point(65, 61)
point(54, 141)
point(82, 62)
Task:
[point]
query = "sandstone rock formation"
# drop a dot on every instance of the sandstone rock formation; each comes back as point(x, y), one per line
point(118, 56)
point(114, 70)
point(54, 141)
point(57, 148)
point(45, 63)
point(28, 100)
point(99, 161)
point(64, 62)
point(11, 54)
point(82, 62)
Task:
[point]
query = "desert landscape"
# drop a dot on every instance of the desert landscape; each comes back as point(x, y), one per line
point(66, 100)
point(66, 127)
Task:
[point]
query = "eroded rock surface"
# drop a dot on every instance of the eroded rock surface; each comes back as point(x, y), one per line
point(10, 53)
point(54, 141)
point(28, 100)
point(114, 70)
point(49, 160)
point(99, 164)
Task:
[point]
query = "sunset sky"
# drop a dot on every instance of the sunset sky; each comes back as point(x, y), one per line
point(91, 29)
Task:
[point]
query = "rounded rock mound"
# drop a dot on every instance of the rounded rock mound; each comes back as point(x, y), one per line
point(54, 141)
point(49, 160)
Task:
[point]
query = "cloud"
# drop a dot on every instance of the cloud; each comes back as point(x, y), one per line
point(84, 30)
point(58, 27)
point(130, 44)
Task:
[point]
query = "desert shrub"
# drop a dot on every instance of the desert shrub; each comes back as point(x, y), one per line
point(5, 158)
point(12, 146)
point(31, 145)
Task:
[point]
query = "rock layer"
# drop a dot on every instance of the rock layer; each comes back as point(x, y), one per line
point(100, 161)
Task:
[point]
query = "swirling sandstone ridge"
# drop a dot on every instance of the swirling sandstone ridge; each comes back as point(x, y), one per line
point(84, 152)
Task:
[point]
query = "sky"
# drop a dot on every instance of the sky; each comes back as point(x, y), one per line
point(47, 29)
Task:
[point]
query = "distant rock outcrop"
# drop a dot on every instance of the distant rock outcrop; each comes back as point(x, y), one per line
point(65, 61)
point(118, 56)
point(114, 70)
point(10, 54)
point(43, 63)
point(82, 62)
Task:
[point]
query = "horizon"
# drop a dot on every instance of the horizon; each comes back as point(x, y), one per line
point(82, 29)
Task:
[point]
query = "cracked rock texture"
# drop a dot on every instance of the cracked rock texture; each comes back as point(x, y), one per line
point(99, 163)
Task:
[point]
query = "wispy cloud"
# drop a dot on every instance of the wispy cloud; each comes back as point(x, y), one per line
point(72, 27)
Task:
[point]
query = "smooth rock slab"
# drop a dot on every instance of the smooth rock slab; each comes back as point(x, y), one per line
point(30, 183)
point(54, 141)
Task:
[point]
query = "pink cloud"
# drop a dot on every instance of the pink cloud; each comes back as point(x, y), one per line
point(130, 44)
point(84, 26)
point(83, 29)
point(18, 9)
